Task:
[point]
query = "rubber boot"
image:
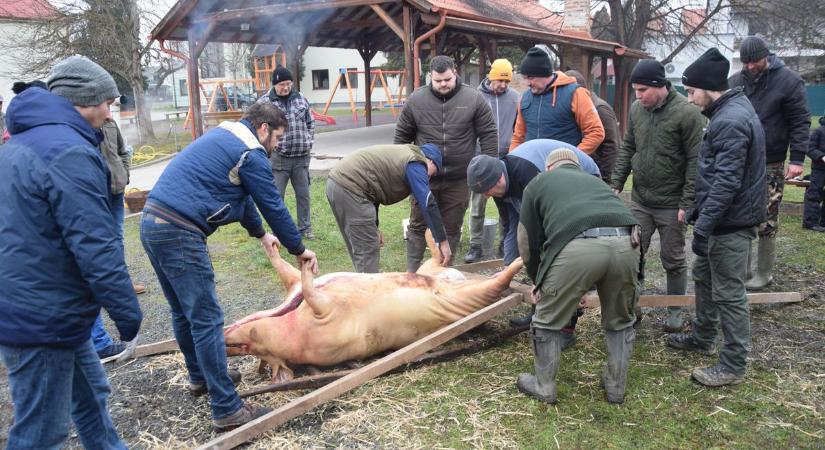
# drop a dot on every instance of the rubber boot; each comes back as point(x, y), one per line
point(619, 349)
point(749, 272)
point(415, 252)
point(765, 259)
point(546, 358)
point(523, 321)
point(676, 285)
point(474, 255)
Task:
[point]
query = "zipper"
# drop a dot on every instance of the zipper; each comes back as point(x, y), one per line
point(444, 136)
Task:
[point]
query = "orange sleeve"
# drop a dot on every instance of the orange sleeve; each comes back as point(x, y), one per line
point(588, 120)
point(519, 130)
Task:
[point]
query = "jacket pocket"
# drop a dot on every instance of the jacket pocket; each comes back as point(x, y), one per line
point(220, 215)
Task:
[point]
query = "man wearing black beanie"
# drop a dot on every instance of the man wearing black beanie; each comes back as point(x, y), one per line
point(663, 135)
point(778, 95)
point(555, 106)
point(290, 161)
point(730, 189)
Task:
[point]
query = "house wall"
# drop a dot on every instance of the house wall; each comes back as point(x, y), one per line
point(324, 61)
point(11, 31)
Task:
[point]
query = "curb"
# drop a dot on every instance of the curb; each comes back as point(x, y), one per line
point(154, 161)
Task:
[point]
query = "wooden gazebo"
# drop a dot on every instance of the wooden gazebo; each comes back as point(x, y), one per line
point(453, 27)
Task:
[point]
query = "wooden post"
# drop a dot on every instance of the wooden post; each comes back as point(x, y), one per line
point(194, 85)
point(367, 54)
point(408, 43)
point(604, 78)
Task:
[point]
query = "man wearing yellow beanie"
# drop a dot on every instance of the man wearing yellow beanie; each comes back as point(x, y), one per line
point(504, 102)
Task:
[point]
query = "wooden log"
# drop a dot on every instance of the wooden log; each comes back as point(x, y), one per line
point(357, 378)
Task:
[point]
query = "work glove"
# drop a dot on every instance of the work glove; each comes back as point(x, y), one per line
point(700, 244)
point(129, 353)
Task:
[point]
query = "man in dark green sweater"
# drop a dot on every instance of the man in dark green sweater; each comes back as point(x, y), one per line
point(574, 233)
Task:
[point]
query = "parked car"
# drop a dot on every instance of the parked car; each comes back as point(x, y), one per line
point(237, 98)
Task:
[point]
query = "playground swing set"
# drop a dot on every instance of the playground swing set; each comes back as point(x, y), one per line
point(393, 102)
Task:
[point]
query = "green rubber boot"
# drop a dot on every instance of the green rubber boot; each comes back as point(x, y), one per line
point(546, 358)
point(619, 349)
point(764, 264)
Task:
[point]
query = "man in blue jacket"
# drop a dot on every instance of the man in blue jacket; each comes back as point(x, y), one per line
point(60, 259)
point(219, 179)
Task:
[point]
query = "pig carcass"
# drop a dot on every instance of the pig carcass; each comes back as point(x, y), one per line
point(351, 316)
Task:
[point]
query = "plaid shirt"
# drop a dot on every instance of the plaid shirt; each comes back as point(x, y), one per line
point(300, 133)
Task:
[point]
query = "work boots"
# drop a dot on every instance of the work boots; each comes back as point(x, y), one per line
point(523, 321)
point(474, 255)
point(619, 349)
point(764, 264)
point(676, 285)
point(546, 358)
point(415, 252)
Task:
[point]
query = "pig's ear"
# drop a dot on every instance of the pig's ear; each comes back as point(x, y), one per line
point(319, 302)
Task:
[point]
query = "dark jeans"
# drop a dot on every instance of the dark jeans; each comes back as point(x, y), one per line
point(181, 261)
point(721, 299)
point(100, 337)
point(297, 170)
point(814, 197)
point(51, 384)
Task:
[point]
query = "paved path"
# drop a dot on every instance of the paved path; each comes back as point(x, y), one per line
point(333, 143)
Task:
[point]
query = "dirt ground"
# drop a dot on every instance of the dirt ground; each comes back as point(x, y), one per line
point(152, 409)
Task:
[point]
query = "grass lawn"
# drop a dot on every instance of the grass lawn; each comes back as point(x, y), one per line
point(473, 401)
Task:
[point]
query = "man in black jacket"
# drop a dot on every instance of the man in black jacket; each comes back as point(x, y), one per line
point(778, 96)
point(814, 216)
point(729, 189)
point(452, 116)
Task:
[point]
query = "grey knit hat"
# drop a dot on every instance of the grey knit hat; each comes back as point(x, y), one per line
point(82, 82)
point(752, 49)
point(483, 173)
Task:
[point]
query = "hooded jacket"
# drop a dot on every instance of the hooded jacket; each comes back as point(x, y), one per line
point(816, 148)
point(562, 112)
point(505, 110)
point(778, 96)
point(60, 259)
point(730, 170)
point(453, 122)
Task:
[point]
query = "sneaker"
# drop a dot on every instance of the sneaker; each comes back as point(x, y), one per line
point(715, 376)
point(308, 235)
point(685, 341)
point(198, 389)
point(139, 288)
point(115, 348)
point(246, 414)
point(474, 255)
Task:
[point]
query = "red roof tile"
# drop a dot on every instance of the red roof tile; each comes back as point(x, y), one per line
point(25, 9)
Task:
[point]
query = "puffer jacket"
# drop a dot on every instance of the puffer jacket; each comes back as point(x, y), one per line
point(779, 98)
point(660, 146)
point(60, 256)
point(730, 178)
point(816, 148)
point(453, 122)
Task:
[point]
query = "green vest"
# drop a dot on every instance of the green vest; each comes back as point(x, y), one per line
point(560, 204)
point(377, 173)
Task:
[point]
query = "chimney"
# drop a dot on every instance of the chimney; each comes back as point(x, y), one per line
point(576, 17)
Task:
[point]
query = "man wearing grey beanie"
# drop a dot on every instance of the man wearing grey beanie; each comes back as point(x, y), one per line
point(58, 209)
point(778, 95)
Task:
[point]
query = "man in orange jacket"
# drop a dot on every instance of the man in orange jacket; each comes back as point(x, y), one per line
point(555, 107)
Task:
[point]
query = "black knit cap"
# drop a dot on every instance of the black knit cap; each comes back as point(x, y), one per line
point(649, 72)
point(752, 49)
point(536, 63)
point(281, 73)
point(708, 72)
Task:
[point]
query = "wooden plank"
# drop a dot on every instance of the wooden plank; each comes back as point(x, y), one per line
point(156, 348)
point(335, 389)
point(388, 20)
point(286, 8)
point(482, 266)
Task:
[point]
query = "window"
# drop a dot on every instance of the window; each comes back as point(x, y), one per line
point(183, 91)
point(320, 79)
point(353, 79)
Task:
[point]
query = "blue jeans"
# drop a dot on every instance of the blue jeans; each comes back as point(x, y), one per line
point(51, 384)
point(181, 261)
point(100, 337)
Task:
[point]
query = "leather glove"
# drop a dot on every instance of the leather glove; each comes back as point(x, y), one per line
point(700, 244)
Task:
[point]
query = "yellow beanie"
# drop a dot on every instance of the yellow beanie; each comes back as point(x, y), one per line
point(501, 70)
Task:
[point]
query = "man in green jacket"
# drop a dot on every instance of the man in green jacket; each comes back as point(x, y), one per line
point(383, 175)
point(660, 147)
point(567, 248)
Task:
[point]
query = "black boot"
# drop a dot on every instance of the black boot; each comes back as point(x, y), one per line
point(518, 322)
point(619, 349)
point(415, 252)
point(546, 358)
point(474, 255)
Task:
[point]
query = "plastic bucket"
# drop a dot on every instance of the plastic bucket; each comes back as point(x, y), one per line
point(489, 236)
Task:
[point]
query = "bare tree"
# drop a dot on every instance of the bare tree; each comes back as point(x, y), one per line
point(106, 31)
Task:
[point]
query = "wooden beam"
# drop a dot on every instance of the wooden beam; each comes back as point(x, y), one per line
point(408, 45)
point(357, 378)
point(388, 20)
point(286, 8)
